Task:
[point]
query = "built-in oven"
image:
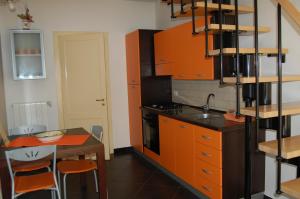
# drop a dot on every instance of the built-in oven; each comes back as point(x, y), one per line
point(151, 131)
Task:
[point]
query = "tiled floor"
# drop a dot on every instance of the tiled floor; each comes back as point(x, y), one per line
point(128, 177)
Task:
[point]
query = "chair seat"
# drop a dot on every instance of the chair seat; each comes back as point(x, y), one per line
point(25, 184)
point(31, 166)
point(76, 166)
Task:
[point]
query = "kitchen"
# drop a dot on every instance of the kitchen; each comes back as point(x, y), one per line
point(174, 114)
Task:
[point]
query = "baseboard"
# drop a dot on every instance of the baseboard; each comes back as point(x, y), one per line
point(184, 184)
point(123, 150)
point(267, 197)
point(163, 170)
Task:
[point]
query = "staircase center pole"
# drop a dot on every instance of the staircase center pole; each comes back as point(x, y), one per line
point(172, 10)
point(182, 7)
point(221, 42)
point(206, 28)
point(279, 103)
point(237, 42)
point(248, 160)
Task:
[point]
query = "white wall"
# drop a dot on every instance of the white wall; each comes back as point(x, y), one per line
point(117, 17)
point(163, 16)
point(291, 38)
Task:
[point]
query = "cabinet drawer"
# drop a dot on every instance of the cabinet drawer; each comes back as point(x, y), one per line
point(209, 189)
point(211, 173)
point(209, 155)
point(209, 137)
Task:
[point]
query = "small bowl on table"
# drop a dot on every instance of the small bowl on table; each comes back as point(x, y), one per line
point(50, 136)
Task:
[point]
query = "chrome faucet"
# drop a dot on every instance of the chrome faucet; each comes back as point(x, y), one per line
point(206, 107)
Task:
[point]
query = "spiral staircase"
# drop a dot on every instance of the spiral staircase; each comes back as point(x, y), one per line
point(284, 148)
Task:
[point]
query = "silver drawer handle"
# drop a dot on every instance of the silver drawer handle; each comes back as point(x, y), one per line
point(204, 137)
point(206, 188)
point(206, 172)
point(183, 127)
point(206, 154)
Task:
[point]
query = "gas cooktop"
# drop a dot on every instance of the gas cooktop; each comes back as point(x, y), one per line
point(165, 107)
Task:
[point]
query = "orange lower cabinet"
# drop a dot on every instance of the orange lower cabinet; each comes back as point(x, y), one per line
point(209, 172)
point(151, 155)
point(209, 155)
point(208, 137)
point(167, 143)
point(184, 151)
point(208, 188)
point(135, 117)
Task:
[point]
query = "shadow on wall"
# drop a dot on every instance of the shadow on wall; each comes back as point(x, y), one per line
point(3, 122)
point(287, 15)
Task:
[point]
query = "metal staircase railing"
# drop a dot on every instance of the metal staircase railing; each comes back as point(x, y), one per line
point(237, 61)
point(280, 60)
point(279, 96)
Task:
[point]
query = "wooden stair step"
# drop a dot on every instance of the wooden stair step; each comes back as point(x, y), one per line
point(230, 28)
point(179, 1)
point(262, 79)
point(290, 147)
point(269, 111)
point(212, 7)
point(262, 51)
point(292, 188)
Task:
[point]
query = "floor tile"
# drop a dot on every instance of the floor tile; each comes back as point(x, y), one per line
point(160, 179)
point(128, 177)
point(183, 193)
point(156, 192)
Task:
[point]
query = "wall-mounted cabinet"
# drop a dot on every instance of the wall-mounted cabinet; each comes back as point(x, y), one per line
point(181, 54)
point(27, 50)
point(164, 57)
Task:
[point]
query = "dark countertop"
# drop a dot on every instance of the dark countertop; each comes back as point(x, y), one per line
point(189, 114)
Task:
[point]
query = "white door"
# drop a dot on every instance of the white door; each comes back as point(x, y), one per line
point(83, 82)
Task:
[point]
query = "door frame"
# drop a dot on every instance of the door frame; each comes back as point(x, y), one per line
point(56, 36)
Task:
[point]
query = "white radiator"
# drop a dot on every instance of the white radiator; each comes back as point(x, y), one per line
point(31, 113)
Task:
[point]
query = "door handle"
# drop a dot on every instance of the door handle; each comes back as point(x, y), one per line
point(99, 100)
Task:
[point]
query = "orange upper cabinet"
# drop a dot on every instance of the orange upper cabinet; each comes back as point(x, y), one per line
point(185, 51)
point(190, 51)
point(163, 47)
point(167, 143)
point(133, 58)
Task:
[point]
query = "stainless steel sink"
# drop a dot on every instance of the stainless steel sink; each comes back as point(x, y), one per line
point(205, 115)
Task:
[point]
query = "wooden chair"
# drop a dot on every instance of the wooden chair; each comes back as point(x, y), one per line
point(67, 167)
point(35, 182)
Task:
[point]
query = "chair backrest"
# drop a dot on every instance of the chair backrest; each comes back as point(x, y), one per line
point(97, 132)
point(30, 154)
point(28, 129)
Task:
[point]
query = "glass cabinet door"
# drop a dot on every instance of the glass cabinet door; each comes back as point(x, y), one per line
point(28, 54)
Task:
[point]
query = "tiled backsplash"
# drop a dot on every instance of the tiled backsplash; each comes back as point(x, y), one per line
point(195, 93)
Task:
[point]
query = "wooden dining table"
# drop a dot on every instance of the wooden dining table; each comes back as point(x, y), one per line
point(92, 145)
